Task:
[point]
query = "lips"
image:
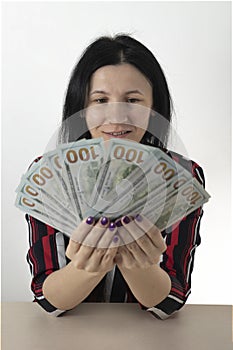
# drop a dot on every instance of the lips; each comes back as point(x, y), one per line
point(117, 133)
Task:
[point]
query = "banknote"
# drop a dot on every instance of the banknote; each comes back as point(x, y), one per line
point(81, 164)
point(40, 182)
point(114, 178)
point(189, 197)
point(55, 163)
point(160, 195)
point(122, 158)
point(148, 183)
point(43, 213)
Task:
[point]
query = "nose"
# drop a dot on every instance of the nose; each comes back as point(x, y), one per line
point(117, 112)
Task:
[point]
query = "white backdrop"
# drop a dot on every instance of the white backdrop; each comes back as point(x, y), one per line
point(41, 43)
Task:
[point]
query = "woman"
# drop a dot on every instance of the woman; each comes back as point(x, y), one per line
point(65, 273)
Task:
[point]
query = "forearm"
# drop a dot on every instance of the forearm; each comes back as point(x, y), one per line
point(69, 286)
point(149, 285)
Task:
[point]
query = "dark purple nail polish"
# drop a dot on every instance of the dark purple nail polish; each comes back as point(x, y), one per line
point(90, 220)
point(118, 223)
point(104, 221)
point(138, 217)
point(126, 219)
point(112, 226)
point(115, 239)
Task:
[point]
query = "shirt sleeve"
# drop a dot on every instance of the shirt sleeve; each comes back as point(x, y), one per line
point(178, 260)
point(46, 254)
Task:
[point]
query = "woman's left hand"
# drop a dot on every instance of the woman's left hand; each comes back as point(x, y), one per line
point(143, 251)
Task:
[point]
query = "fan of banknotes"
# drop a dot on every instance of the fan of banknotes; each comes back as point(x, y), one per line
point(108, 178)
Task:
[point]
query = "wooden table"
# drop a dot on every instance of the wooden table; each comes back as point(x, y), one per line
point(115, 327)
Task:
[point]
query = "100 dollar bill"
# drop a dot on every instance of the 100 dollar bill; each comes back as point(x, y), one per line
point(81, 164)
point(44, 213)
point(189, 197)
point(122, 159)
point(147, 183)
point(43, 180)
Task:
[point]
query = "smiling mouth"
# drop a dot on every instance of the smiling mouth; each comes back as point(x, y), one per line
point(117, 133)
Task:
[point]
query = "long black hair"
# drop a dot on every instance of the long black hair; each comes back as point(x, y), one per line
point(115, 50)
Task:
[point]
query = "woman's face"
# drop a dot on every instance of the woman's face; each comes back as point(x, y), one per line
point(128, 119)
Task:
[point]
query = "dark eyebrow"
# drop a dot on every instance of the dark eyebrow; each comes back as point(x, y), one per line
point(134, 92)
point(106, 93)
point(99, 92)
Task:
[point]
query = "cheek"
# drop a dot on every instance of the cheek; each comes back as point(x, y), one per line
point(139, 117)
point(94, 133)
point(140, 133)
point(94, 118)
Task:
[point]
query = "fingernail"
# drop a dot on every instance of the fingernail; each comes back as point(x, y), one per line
point(90, 220)
point(104, 221)
point(118, 223)
point(112, 226)
point(115, 239)
point(126, 219)
point(138, 217)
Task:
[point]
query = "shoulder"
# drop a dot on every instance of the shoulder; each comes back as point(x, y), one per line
point(192, 166)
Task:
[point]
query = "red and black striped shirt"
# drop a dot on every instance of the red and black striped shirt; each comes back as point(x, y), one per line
point(47, 254)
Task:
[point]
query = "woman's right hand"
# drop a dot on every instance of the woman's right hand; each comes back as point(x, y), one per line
point(91, 247)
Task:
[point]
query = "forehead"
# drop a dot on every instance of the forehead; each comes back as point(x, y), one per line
point(123, 76)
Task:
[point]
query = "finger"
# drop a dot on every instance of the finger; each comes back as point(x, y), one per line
point(143, 258)
point(144, 241)
point(78, 236)
point(101, 260)
point(151, 253)
point(124, 257)
point(81, 231)
point(151, 231)
point(72, 249)
point(94, 235)
point(147, 245)
point(134, 231)
point(122, 236)
point(126, 235)
point(134, 257)
point(144, 249)
point(80, 260)
point(109, 238)
point(92, 264)
point(108, 257)
point(145, 224)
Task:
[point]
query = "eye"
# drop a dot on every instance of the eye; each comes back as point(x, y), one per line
point(133, 100)
point(101, 100)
